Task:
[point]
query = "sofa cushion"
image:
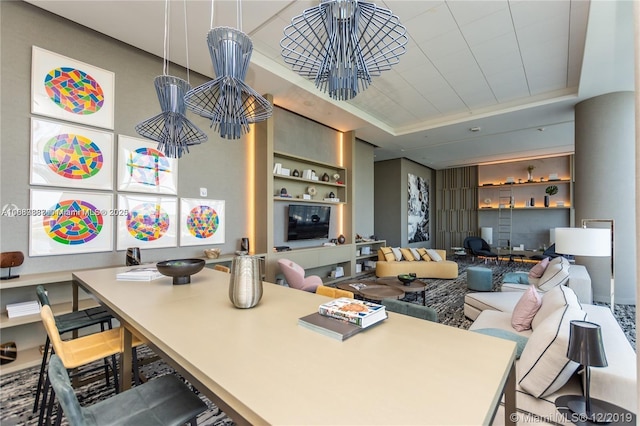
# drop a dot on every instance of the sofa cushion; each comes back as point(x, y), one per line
point(517, 277)
point(407, 255)
point(539, 268)
point(520, 340)
point(554, 299)
point(423, 252)
point(388, 254)
point(396, 253)
point(434, 255)
point(526, 309)
point(416, 255)
point(554, 275)
point(544, 367)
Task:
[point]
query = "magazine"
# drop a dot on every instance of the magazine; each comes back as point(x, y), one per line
point(358, 312)
point(148, 273)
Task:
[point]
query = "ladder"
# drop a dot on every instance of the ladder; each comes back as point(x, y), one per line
point(505, 219)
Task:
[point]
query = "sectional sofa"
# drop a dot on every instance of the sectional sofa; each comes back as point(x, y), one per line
point(418, 261)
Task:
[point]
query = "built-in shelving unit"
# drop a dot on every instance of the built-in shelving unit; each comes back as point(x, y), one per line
point(367, 251)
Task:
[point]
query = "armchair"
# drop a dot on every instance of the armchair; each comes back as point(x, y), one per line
point(294, 275)
point(476, 246)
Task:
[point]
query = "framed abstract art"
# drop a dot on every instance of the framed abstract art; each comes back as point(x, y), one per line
point(142, 168)
point(147, 221)
point(70, 156)
point(201, 221)
point(71, 90)
point(70, 222)
point(417, 208)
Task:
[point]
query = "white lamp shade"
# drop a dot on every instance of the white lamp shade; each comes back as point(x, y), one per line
point(583, 241)
point(486, 234)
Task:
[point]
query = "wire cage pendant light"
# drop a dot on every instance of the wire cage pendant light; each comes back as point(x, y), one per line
point(341, 44)
point(228, 101)
point(171, 128)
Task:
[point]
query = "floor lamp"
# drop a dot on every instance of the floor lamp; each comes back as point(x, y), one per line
point(591, 242)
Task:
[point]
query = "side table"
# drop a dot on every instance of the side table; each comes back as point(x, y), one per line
point(375, 292)
point(416, 286)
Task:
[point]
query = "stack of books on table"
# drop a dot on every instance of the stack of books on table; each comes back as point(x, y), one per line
point(24, 308)
point(342, 318)
point(145, 273)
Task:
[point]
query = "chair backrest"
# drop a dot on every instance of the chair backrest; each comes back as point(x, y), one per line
point(222, 268)
point(52, 330)
point(336, 293)
point(473, 244)
point(411, 309)
point(64, 392)
point(42, 296)
point(293, 272)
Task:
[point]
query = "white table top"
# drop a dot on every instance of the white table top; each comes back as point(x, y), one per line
point(269, 370)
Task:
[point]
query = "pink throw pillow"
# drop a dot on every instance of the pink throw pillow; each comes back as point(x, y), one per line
point(538, 269)
point(526, 309)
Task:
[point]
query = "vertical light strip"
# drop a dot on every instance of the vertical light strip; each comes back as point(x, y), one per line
point(341, 164)
point(251, 187)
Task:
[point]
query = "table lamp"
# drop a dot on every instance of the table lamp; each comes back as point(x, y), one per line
point(586, 348)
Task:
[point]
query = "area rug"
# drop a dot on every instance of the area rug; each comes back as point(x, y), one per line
point(445, 296)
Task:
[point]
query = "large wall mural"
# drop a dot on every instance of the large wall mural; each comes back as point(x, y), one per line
point(418, 208)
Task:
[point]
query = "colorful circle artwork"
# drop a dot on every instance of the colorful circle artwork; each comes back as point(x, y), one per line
point(73, 222)
point(147, 222)
point(74, 90)
point(73, 156)
point(148, 166)
point(203, 222)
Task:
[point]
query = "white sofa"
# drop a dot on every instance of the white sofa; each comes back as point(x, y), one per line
point(615, 383)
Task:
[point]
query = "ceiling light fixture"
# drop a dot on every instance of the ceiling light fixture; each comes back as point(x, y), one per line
point(227, 101)
point(341, 44)
point(171, 128)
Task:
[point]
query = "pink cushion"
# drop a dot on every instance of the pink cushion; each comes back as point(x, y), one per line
point(526, 309)
point(539, 268)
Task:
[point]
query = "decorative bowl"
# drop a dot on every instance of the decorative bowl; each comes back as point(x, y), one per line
point(212, 253)
point(180, 269)
point(407, 278)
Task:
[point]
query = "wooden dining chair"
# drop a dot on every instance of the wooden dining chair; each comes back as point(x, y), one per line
point(336, 293)
point(163, 401)
point(79, 352)
point(222, 268)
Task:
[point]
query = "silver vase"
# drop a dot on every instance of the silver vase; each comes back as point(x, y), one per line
point(245, 285)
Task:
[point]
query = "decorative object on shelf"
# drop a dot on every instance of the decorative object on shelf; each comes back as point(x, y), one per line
point(341, 239)
point(407, 279)
point(244, 244)
point(519, 180)
point(9, 259)
point(213, 253)
point(586, 348)
point(311, 190)
point(8, 352)
point(341, 44)
point(133, 256)
point(533, 202)
point(325, 177)
point(332, 195)
point(227, 101)
point(336, 177)
point(245, 284)
point(487, 203)
point(295, 173)
point(171, 128)
point(283, 192)
point(530, 170)
point(180, 269)
point(550, 190)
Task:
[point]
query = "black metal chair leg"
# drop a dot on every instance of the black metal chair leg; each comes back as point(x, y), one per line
point(43, 364)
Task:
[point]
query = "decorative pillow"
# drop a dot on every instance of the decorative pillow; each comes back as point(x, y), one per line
point(388, 254)
point(397, 253)
point(521, 341)
point(557, 260)
point(558, 297)
point(554, 275)
point(423, 252)
point(526, 309)
point(416, 255)
point(434, 255)
point(406, 254)
point(544, 367)
point(539, 268)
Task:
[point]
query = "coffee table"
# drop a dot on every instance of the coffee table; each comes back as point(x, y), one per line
point(416, 286)
point(375, 292)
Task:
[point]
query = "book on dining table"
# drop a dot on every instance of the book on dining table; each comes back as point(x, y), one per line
point(357, 312)
point(141, 273)
point(332, 327)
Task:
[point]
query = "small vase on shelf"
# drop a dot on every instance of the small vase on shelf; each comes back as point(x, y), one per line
point(546, 201)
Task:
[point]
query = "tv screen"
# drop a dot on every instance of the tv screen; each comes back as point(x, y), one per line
point(308, 222)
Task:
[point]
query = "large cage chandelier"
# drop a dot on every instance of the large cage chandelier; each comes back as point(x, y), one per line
point(227, 101)
point(171, 128)
point(341, 44)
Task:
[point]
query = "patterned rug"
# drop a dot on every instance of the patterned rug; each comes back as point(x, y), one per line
point(445, 296)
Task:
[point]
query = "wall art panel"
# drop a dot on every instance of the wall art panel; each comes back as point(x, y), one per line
point(147, 221)
point(201, 221)
point(142, 168)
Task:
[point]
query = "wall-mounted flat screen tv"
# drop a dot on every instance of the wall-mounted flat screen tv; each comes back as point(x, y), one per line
point(308, 222)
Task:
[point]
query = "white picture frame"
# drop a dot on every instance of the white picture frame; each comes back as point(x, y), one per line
point(71, 90)
point(202, 221)
point(70, 156)
point(143, 168)
point(70, 222)
point(147, 221)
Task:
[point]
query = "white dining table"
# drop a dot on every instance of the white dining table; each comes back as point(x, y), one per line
point(260, 367)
